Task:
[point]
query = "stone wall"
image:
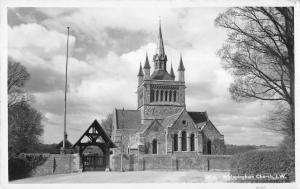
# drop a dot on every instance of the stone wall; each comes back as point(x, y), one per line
point(135, 162)
point(47, 164)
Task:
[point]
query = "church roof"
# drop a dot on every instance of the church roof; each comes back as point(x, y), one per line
point(128, 119)
point(170, 120)
point(198, 117)
point(161, 75)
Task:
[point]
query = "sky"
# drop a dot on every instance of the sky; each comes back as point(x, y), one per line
point(106, 46)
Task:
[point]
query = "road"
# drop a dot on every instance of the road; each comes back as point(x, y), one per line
point(130, 177)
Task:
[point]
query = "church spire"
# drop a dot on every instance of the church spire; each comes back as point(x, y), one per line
point(160, 58)
point(160, 45)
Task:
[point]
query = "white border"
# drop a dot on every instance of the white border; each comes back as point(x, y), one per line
point(145, 3)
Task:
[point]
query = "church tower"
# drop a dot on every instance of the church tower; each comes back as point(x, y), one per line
point(159, 94)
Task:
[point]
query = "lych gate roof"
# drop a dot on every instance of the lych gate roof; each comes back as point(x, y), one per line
point(128, 119)
point(93, 132)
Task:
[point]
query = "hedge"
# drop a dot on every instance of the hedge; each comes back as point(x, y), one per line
point(258, 163)
point(21, 166)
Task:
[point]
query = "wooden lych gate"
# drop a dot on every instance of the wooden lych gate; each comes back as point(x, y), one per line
point(95, 135)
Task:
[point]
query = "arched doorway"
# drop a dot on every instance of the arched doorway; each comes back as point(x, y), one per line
point(208, 147)
point(154, 146)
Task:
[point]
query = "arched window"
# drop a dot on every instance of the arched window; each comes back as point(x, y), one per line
point(151, 96)
point(154, 146)
point(192, 140)
point(166, 95)
point(176, 142)
point(183, 141)
point(161, 95)
point(174, 95)
point(208, 147)
point(156, 96)
point(170, 96)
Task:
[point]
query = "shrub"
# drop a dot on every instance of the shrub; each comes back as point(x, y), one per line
point(22, 165)
point(257, 162)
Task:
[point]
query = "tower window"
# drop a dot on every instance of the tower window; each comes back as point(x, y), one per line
point(157, 94)
point(161, 95)
point(174, 95)
point(166, 95)
point(170, 96)
point(151, 96)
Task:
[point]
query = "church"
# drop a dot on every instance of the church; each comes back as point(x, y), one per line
point(161, 124)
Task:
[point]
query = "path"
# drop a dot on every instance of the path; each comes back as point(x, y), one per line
point(130, 177)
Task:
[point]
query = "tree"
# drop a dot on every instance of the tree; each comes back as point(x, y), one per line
point(107, 122)
point(259, 53)
point(24, 122)
point(24, 128)
point(16, 79)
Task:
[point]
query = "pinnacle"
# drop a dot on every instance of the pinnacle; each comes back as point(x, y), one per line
point(140, 71)
point(147, 65)
point(181, 67)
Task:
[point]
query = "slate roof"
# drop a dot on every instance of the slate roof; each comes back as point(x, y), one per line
point(161, 75)
point(198, 117)
point(128, 119)
point(169, 121)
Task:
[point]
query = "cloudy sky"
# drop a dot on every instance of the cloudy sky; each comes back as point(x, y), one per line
point(106, 47)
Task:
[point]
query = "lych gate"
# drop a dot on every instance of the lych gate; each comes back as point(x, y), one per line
point(94, 136)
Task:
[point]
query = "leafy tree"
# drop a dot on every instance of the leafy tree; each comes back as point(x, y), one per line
point(24, 122)
point(24, 128)
point(259, 53)
point(107, 122)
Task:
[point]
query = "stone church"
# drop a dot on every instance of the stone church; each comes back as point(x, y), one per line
point(161, 124)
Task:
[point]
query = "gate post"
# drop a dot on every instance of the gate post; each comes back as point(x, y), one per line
point(107, 158)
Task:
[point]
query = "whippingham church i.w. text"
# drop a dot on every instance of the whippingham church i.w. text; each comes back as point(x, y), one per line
point(161, 124)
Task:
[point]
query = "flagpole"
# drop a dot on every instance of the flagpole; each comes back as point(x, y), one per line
point(66, 86)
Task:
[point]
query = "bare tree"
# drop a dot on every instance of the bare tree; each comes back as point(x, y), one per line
point(107, 123)
point(259, 53)
point(16, 79)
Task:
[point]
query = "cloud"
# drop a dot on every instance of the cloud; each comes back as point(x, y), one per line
point(106, 47)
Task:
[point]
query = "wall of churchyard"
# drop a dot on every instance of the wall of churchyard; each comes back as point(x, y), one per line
point(135, 162)
point(47, 164)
